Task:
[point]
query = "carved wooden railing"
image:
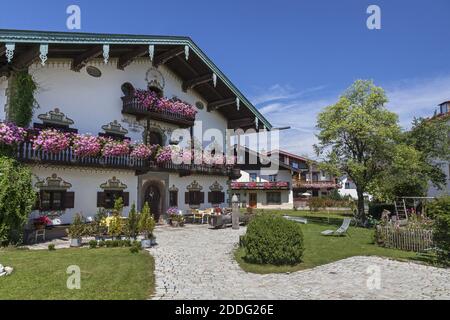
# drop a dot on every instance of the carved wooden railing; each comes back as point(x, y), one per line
point(131, 105)
point(279, 185)
point(26, 153)
point(314, 184)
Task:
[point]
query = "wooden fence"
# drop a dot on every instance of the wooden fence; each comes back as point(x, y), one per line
point(417, 240)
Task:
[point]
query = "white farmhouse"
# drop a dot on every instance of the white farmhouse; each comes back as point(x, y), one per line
point(87, 84)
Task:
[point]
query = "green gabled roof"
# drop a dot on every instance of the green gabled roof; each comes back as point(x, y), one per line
point(50, 37)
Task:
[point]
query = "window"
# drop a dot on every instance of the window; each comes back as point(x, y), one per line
point(295, 165)
point(273, 178)
point(273, 197)
point(107, 198)
point(347, 185)
point(173, 198)
point(216, 197)
point(52, 200)
point(194, 198)
point(252, 177)
point(55, 200)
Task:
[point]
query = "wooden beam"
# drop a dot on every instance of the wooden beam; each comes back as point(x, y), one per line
point(23, 61)
point(2, 49)
point(194, 72)
point(192, 83)
point(80, 61)
point(166, 56)
point(221, 103)
point(127, 58)
point(5, 71)
point(237, 123)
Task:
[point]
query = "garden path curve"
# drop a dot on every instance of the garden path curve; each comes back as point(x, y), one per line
point(197, 263)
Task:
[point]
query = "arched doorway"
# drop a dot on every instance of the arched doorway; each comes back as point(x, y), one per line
point(153, 198)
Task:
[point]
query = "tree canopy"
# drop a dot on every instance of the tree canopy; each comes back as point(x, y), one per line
point(359, 137)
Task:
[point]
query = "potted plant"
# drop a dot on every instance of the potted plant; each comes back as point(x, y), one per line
point(41, 222)
point(146, 226)
point(175, 217)
point(132, 225)
point(76, 231)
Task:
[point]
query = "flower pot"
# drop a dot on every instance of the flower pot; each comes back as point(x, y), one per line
point(146, 243)
point(75, 242)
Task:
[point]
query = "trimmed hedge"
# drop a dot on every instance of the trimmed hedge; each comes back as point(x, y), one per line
point(439, 209)
point(273, 240)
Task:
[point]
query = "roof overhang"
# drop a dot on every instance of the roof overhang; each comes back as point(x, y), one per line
point(196, 70)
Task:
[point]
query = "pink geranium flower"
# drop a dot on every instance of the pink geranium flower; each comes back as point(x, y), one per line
point(51, 140)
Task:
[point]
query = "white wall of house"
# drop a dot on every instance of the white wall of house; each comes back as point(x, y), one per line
point(204, 180)
point(283, 175)
point(3, 99)
point(287, 196)
point(86, 183)
point(348, 188)
point(93, 102)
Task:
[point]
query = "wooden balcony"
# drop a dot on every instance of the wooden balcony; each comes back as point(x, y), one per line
point(25, 153)
point(280, 185)
point(132, 106)
point(302, 184)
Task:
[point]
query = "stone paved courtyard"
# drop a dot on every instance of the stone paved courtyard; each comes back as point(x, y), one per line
point(197, 263)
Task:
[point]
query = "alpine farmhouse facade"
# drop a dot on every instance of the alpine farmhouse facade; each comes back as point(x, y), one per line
point(86, 84)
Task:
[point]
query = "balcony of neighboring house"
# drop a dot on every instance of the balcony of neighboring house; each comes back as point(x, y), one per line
point(278, 185)
point(67, 157)
point(314, 184)
point(147, 104)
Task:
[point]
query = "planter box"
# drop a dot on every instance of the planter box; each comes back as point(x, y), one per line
point(76, 242)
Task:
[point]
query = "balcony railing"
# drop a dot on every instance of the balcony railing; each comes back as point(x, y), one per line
point(132, 106)
point(27, 154)
point(315, 184)
point(280, 185)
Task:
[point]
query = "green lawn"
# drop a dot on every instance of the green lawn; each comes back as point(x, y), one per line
point(307, 213)
point(321, 250)
point(112, 273)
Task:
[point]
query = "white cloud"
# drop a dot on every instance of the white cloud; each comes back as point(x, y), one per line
point(283, 106)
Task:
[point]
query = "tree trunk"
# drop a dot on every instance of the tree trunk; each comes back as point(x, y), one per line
point(361, 212)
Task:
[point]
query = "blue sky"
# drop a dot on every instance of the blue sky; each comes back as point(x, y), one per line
point(290, 58)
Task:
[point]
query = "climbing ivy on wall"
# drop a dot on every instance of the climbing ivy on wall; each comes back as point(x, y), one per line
point(22, 102)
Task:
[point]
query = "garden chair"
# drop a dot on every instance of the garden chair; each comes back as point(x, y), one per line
point(342, 229)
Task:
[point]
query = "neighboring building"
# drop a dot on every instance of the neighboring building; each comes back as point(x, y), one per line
point(297, 176)
point(442, 115)
point(86, 83)
point(347, 188)
point(307, 178)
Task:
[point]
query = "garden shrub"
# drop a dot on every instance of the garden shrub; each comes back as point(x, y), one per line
point(92, 244)
point(17, 198)
point(51, 247)
point(439, 209)
point(273, 240)
point(376, 209)
point(102, 243)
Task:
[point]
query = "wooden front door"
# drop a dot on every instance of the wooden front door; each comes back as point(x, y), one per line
point(253, 201)
point(153, 197)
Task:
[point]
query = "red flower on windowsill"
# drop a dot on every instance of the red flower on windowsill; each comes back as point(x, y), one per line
point(42, 221)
